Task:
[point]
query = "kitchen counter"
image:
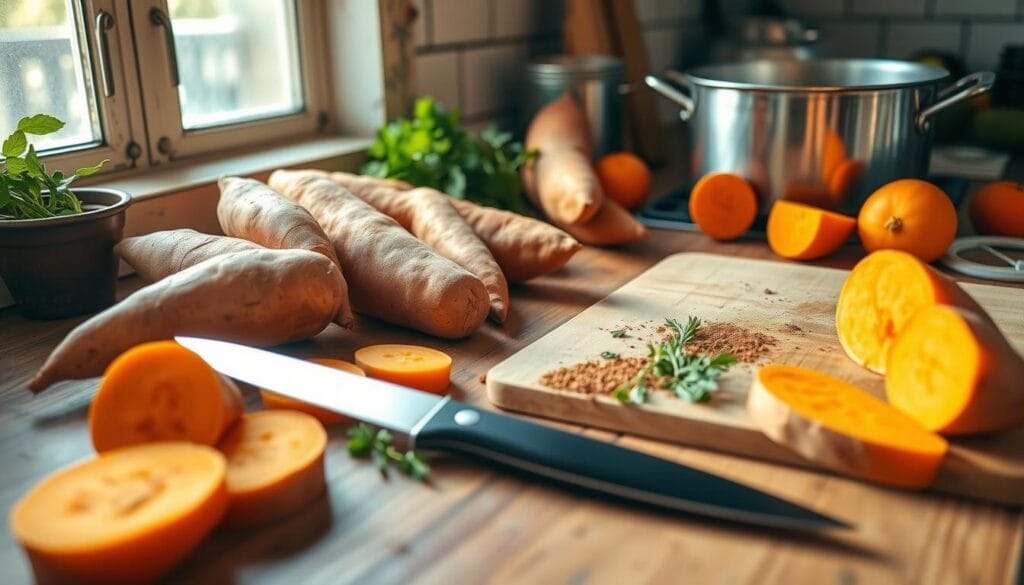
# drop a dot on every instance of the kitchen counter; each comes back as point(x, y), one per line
point(472, 523)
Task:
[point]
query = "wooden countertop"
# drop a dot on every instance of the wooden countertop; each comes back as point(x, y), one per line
point(473, 524)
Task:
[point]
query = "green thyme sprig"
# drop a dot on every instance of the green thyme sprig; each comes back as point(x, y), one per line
point(366, 442)
point(692, 377)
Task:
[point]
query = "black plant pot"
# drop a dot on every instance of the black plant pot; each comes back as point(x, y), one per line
point(64, 266)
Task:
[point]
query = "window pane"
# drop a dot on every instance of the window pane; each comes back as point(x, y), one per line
point(237, 59)
point(42, 71)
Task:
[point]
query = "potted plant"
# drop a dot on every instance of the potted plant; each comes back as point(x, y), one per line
point(56, 246)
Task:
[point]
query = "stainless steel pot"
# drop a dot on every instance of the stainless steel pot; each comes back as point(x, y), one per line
point(826, 132)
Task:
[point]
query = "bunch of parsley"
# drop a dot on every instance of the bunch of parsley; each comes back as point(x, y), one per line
point(431, 149)
point(27, 190)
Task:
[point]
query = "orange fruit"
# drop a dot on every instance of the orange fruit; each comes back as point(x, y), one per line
point(998, 209)
point(625, 178)
point(910, 215)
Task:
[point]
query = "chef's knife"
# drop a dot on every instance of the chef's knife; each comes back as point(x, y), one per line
point(440, 423)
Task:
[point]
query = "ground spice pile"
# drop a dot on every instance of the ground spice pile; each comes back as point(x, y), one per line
point(594, 376)
point(745, 345)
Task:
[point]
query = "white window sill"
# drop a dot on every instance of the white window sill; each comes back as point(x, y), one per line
point(185, 194)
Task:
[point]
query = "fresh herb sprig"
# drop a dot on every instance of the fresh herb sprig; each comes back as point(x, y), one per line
point(364, 442)
point(692, 377)
point(27, 190)
point(431, 149)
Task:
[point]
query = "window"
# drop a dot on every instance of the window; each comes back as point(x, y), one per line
point(149, 81)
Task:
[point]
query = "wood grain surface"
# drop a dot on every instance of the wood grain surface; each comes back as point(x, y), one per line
point(474, 524)
point(791, 303)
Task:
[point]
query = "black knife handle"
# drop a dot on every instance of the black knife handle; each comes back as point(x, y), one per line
point(596, 465)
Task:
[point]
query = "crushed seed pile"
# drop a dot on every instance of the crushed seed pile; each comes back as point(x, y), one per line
point(745, 345)
point(602, 376)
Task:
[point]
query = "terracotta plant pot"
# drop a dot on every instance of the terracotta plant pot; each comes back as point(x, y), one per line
point(64, 266)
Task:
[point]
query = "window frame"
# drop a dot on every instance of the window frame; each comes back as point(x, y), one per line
point(169, 141)
point(120, 116)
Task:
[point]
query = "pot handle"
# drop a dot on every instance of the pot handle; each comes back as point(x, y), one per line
point(673, 93)
point(965, 88)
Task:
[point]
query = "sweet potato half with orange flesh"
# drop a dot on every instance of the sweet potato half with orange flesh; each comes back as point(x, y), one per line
point(257, 297)
point(160, 391)
point(881, 294)
point(801, 232)
point(523, 247)
point(843, 427)
point(160, 254)
point(275, 465)
point(252, 210)
point(393, 276)
point(561, 180)
point(127, 516)
point(955, 373)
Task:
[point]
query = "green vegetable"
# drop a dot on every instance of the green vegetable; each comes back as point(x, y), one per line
point(24, 178)
point(619, 333)
point(366, 442)
point(433, 150)
point(609, 355)
point(692, 377)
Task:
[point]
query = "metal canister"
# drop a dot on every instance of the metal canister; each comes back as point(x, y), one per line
point(595, 79)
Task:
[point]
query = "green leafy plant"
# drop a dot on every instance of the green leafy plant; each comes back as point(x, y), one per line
point(27, 190)
point(692, 377)
point(365, 442)
point(431, 149)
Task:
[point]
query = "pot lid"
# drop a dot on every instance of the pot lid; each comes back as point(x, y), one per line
point(823, 75)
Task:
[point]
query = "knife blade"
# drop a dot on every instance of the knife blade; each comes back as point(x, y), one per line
point(440, 423)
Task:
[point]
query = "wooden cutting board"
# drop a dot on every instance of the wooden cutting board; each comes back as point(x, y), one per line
point(793, 303)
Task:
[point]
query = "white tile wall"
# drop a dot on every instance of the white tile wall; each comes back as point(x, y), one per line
point(903, 40)
point(490, 77)
point(437, 74)
point(888, 7)
point(985, 42)
point(975, 8)
point(521, 18)
point(458, 21)
point(851, 39)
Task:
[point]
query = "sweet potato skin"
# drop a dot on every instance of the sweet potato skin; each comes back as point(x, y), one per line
point(393, 276)
point(161, 254)
point(523, 247)
point(257, 297)
point(561, 180)
point(612, 226)
point(252, 210)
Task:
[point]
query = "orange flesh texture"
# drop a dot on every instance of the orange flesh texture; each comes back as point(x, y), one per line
point(160, 391)
point(275, 465)
point(934, 368)
point(409, 365)
point(882, 293)
point(125, 516)
point(802, 232)
point(723, 205)
point(896, 449)
point(274, 400)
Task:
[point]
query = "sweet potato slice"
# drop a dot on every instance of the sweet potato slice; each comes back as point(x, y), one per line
point(393, 276)
point(801, 232)
point(842, 427)
point(126, 516)
point(955, 373)
point(257, 297)
point(160, 254)
point(160, 391)
point(252, 210)
point(881, 294)
point(275, 465)
point(523, 247)
point(723, 205)
point(415, 366)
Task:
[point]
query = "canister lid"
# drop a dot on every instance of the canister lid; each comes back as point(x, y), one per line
point(579, 67)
